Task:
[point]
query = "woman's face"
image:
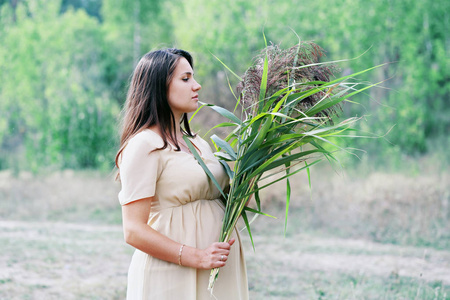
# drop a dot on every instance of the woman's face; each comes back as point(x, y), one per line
point(182, 94)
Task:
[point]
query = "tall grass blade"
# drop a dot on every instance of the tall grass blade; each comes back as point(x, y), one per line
point(263, 88)
point(309, 179)
point(223, 112)
point(244, 217)
point(224, 145)
point(202, 164)
point(246, 208)
point(288, 196)
point(231, 71)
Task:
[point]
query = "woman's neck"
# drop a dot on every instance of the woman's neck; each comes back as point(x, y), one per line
point(178, 133)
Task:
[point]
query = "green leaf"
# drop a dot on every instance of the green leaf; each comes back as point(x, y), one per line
point(289, 158)
point(321, 106)
point(309, 179)
point(258, 212)
point(244, 216)
point(224, 145)
point(231, 71)
point(261, 134)
point(288, 196)
point(195, 113)
point(223, 156)
point(221, 125)
point(230, 173)
point(260, 169)
point(263, 87)
point(202, 164)
point(223, 112)
point(289, 175)
point(257, 198)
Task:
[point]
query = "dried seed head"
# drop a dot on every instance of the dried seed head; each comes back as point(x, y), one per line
point(284, 71)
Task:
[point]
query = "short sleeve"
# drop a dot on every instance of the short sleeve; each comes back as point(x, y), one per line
point(139, 168)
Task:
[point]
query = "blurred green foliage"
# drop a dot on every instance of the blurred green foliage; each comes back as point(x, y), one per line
point(64, 66)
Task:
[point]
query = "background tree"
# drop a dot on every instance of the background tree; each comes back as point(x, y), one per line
point(65, 65)
point(55, 105)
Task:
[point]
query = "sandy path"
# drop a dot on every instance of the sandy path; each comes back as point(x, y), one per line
point(352, 256)
point(45, 260)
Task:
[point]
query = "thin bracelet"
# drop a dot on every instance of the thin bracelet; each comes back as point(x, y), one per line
point(179, 254)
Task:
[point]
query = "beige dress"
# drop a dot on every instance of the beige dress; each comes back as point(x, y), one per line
point(187, 209)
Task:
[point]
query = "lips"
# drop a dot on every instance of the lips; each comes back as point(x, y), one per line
point(195, 97)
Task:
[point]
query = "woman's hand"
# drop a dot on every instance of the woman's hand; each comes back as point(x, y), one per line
point(141, 236)
point(216, 255)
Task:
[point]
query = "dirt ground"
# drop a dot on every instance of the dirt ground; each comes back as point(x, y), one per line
point(55, 242)
point(54, 260)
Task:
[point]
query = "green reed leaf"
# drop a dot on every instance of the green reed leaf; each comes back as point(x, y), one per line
point(202, 164)
point(224, 145)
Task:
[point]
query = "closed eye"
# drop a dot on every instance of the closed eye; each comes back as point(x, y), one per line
point(186, 75)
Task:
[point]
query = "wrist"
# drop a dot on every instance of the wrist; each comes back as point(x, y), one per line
point(191, 257)
point(180, 252)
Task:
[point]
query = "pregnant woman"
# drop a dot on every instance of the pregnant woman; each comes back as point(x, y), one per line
point(172, 212)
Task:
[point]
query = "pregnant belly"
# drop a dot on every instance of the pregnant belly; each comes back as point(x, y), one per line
point(196, 224)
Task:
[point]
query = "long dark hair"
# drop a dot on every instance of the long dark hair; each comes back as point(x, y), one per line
point(146, 104)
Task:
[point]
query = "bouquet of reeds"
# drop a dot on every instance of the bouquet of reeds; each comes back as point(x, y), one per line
point(287, 99)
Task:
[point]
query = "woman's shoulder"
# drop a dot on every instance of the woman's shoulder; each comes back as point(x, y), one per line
point(198, 140)
point(146, 138)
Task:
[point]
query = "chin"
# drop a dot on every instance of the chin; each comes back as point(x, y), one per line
point(194, 108)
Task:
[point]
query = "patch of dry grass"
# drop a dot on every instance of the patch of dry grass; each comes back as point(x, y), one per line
point(388, 208)
point(55, 260)
point(81, 196)
point(382, 207)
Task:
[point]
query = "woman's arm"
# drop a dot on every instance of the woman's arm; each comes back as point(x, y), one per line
point(141, 236)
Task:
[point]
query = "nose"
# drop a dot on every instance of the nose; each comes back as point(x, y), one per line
point(196, 86)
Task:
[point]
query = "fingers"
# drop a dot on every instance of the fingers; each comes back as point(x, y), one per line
point(221, 249)
point(219, 259)
point(223, 258)
point(223, 245)
point(216, 255)
point(227, 245)
point(224, 250)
